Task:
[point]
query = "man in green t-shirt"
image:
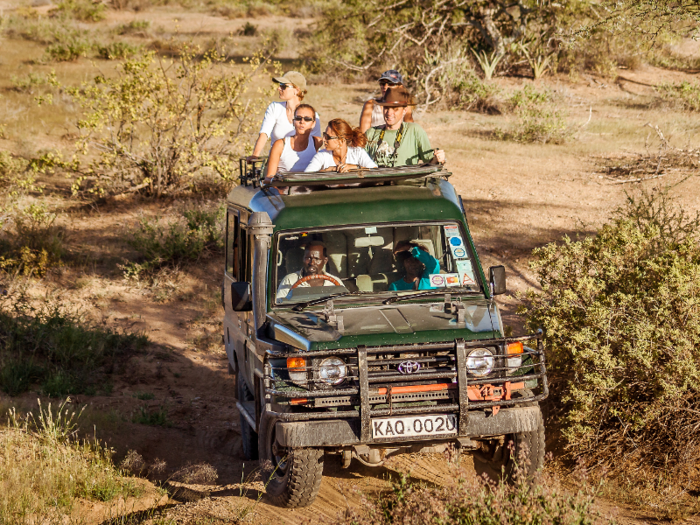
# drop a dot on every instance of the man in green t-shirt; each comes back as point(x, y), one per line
point(400, 143)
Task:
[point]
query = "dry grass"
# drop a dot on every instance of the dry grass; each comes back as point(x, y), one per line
point(44, 468)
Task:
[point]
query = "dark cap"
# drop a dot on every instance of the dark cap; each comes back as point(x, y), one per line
point(392, 76)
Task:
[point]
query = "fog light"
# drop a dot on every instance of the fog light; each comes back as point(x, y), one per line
point(480, 362)
point(296, 366)
point(332, 371)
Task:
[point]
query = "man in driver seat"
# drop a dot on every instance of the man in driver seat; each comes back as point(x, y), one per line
point(311, 274)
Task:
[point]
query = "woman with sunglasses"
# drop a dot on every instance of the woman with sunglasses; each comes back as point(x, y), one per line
point(344, 149)
point(277, 122)
point(372, 114)
point(294, 153)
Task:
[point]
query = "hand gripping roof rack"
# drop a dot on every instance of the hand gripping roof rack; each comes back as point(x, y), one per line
point(369, 177)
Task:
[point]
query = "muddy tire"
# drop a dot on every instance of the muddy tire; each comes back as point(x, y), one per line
point(518, 455)
point(249, 437)
point(293, 476)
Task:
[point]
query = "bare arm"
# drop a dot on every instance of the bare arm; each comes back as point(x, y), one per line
point(366, 115)
point(408, 117)
point(273, 160)
point(259, 145)
point(318, 142)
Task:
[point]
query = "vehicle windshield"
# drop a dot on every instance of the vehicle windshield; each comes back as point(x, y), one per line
point(392, 260)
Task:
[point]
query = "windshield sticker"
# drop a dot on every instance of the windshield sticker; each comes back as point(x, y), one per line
point(437, 280)
point(459, 253)
point(452, 231)
point(466, 273)
point(370, 230)
point(452, 279)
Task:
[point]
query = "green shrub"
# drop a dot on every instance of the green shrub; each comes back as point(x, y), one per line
point(476, 501)
point(685, 95)
point(117, 51)
point(137, 27)
point(538, 118)
point(83, 10)
point(475, 94)
point(68, 51)
point(157, 418)
point(621, 315)
point(34, 243)
point(169, 243)
point(75, 355)
point(56, 468)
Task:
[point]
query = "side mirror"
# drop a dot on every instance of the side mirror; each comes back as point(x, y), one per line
point(497, 279)
point(240, 297)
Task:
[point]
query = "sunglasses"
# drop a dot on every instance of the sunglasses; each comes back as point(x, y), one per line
point(387, 83)
point(305, 119)
point(326, 136)
point(283, 86)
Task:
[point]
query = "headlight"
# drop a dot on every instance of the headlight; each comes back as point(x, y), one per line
point(332, 371)
point(480, 362)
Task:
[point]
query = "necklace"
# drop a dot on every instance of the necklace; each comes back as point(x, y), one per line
point(397, 143)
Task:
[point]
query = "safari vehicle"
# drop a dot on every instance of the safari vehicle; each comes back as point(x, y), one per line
point(352, 368)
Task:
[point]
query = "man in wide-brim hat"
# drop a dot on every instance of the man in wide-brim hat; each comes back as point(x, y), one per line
point(399, 143)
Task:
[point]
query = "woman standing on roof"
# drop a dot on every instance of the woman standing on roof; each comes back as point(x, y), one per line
point(294, 153)
point(372, 115)
point(278, 120)
point(344, 149)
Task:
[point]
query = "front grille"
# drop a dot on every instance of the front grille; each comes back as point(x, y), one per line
point(403, 379)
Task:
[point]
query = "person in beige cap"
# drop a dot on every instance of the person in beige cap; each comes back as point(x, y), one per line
point(278, 120)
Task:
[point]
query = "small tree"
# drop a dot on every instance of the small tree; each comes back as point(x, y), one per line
point(160, 124)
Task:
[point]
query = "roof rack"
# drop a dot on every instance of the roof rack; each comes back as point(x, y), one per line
point(251, 173)
point(362, 176)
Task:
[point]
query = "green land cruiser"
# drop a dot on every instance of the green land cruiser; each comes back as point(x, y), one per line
point(361, 367)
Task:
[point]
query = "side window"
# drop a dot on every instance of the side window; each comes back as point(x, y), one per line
point(237, 256)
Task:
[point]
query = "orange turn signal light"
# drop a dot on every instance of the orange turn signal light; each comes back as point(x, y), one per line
point(296, 363)
point(515, 348)
point(298, 401)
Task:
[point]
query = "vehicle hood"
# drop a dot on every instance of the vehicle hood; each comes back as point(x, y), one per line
point(385, 324)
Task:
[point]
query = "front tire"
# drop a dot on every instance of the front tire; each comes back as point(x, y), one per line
point(520, 455)
point(249, 437)
point(294, 475)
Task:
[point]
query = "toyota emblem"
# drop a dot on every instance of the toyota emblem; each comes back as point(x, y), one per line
point(408, 367)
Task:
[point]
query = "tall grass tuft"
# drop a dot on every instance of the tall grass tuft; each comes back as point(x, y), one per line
point(45, 468)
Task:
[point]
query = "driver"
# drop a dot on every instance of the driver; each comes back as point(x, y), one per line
point(315, 258)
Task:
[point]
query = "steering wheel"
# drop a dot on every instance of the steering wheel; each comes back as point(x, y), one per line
point(314, 277)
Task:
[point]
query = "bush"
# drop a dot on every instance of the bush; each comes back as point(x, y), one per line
point(117, 51)
point(57, 348)
point(55, 470)
point(135, 27)
point(539, 119)
point(158, 126)
point(34, 243)
point(83, 10)
point(169, 243)
point(621, 317)
point(685, 95)
point(68, 51)
point(475, 94)
point(477, 501)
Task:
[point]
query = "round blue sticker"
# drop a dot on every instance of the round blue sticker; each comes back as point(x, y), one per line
point(455, 241)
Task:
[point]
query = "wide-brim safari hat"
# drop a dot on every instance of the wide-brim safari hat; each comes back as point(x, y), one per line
point(292, 77)
point(397, 97)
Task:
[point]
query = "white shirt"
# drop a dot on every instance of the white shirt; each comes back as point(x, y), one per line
point(377, 115)
point(291, 160)
point(290, 279)
point(324, 159)
point(276, 125)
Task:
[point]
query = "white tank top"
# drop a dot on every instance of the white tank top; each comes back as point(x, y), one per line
point(291, 160)
point(377, 115)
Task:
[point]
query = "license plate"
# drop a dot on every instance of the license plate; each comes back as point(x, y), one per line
point(414, 426)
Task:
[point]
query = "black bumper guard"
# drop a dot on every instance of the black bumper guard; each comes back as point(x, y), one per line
point(366, 412)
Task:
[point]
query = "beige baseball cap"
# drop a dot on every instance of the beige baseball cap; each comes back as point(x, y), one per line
point(292, 77)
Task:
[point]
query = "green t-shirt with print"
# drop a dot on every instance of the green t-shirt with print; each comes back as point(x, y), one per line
point(414, 147)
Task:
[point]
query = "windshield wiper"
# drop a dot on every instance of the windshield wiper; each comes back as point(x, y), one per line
point(422, 294)
point(299, 307)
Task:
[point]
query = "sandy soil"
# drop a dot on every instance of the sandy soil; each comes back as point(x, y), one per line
point(517, 197)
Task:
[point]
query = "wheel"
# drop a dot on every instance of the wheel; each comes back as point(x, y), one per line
point(248, 436)
point(517, 455)
point(294, 475)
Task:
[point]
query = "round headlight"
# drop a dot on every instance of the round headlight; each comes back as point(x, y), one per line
point(332, 371)
point(480, 362)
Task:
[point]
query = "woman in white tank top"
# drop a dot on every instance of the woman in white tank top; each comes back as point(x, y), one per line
point(294, 153)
